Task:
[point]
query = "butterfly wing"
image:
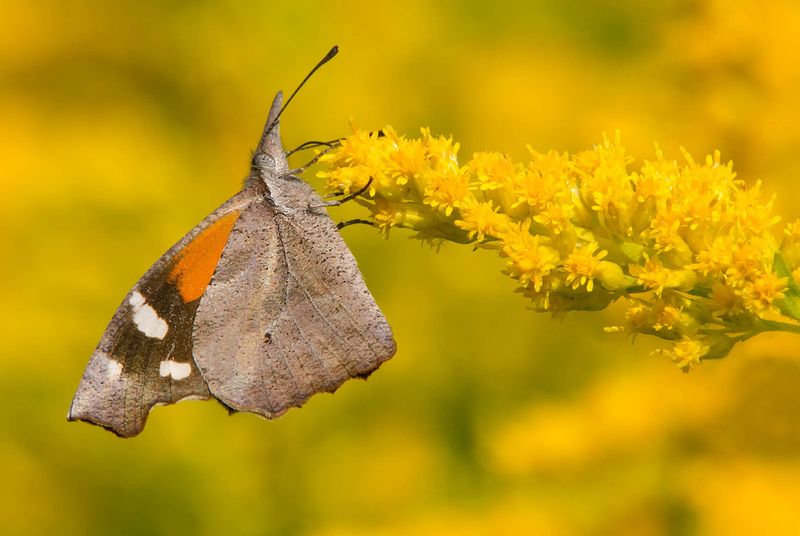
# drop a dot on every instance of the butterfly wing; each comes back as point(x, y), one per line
point(145, 355)
point(287, 313)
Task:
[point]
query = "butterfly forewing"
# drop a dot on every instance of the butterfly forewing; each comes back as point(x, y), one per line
point(145, 355)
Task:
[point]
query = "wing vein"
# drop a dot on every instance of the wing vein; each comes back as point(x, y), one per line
point(329, 292)
point(335, 331)
point(285, 308)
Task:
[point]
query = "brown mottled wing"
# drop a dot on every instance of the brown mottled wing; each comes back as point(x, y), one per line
point(287, 314)
point(125, 377)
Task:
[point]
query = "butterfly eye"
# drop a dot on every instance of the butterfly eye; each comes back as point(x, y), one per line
point(263, 161)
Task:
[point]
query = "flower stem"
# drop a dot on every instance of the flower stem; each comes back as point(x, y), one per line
point(775, 325)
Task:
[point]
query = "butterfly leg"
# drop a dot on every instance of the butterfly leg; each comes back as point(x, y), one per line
point(345, 199)
point(342, 224)
point(311, 162)
point(314, 144)
point(329, 146)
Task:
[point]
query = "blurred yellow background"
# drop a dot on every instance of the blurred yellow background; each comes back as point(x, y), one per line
point(123, 124)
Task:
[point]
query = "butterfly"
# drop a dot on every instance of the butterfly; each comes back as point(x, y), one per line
point(260, 306)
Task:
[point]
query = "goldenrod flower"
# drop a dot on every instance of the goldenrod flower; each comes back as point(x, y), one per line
point(689, 244)
point(667, 318)
point(481, 219)
point(530, 258)
point(759, 293)
point(686, 354)
point(582, 264)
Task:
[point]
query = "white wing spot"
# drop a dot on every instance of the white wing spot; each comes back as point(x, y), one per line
point(146, 318)
point(178, 371)
point(113, 368)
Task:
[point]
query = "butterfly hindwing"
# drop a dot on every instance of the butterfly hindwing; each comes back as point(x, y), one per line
point(287, 313)
point(145, 355)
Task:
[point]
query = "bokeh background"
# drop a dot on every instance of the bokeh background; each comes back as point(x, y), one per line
point(122, 124)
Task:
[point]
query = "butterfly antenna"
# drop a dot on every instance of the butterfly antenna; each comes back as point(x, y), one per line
point(328, 57)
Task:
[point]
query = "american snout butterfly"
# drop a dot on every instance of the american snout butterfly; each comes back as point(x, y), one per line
point(260, 306)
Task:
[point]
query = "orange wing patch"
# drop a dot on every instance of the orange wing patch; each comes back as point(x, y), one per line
point(195, 264)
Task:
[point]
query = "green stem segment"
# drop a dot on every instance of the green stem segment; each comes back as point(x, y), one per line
point(774, 325)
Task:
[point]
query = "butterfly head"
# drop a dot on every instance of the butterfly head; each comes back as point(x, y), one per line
point(270, 157)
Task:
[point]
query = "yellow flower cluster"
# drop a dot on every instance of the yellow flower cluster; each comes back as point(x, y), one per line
point(690, 246)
